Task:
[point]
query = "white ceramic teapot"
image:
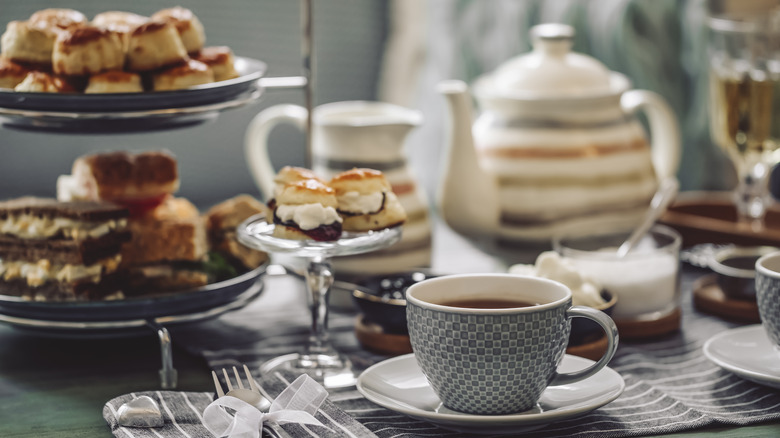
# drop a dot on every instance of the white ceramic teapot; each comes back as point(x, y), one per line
point(355, 134)
point(557, 145)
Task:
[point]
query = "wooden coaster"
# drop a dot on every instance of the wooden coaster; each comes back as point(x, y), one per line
point(649, 329)
point(709, 298)
point(591, 350)
point(372, 337)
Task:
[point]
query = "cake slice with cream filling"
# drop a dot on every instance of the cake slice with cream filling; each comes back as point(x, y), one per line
point(60, 251)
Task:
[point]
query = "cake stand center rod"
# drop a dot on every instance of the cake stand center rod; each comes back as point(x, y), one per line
point(307, 53)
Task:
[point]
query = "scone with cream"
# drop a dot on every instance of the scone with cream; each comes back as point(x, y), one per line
point(123, 23)
point(366, 200)
point(288, 175)
point(307, 210)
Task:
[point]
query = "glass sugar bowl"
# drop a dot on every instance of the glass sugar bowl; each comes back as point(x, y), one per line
point(646, 280)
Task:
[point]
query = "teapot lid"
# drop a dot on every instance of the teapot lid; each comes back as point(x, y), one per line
point(551, 69)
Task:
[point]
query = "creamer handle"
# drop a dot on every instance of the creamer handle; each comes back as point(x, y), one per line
point(664, 129)
point(256, 142)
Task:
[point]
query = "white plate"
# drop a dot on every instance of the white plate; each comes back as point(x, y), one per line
point(399, 385)
point(746, 352)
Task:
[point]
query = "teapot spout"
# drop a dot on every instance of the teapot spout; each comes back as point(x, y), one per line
point(468, 197)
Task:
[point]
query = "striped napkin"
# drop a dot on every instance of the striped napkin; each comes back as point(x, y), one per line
point(670, 385)
point(183, 414)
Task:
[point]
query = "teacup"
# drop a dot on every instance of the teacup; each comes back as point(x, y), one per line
point(490, 344)
point(768, 294)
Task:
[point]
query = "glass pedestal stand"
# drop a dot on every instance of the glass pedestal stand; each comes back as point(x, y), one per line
point(318, 359)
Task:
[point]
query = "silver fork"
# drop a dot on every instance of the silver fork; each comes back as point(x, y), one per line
point(251, 395)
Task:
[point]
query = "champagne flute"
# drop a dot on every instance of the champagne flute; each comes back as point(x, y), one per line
point(744, 104)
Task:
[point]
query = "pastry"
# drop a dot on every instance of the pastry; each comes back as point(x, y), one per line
point(115, 81)
point(307, 210)
point(57, 18)
point(288, 175)
point(11, 73)
point(366, 200)
point(189, 74)
point(187, 24)
point(87, 50)
point(123, 23)
point(220, 59)
point(154, 45)
point(40, 82)
point(28, 45)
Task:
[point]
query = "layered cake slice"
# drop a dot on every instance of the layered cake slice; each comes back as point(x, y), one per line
point(60, 251)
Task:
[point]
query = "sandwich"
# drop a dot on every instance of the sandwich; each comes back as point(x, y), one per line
point(306, 210)
point(222, 221)
point(167, 251)
point(366, 200)
point(61, 251)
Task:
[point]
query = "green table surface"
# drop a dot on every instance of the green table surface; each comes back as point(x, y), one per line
point(56, 387)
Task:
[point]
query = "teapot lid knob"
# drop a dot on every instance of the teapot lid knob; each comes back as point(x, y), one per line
point(552, 31)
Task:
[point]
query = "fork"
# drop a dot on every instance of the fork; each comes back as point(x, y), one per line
point(251, 395)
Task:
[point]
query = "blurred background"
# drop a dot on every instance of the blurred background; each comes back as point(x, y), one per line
point(393, 50)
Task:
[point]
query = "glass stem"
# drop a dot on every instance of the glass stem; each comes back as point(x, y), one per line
point(751, 194)
point(319, 278)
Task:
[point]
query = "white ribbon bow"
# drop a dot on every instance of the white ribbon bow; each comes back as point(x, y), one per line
point(296, 404)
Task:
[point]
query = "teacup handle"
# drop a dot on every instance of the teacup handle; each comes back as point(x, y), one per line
point(610, 329)
point(256, 142)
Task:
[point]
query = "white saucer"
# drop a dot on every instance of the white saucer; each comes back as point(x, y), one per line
point(746, 352)
point(399, 385)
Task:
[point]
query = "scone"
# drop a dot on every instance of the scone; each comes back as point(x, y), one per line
point(115, 81)
point(123, 23)
point(366, 200)
point(87, 50)
point(11, 73)
point(182, 76)
point(40, 82)
point(222, 221)
point(28, 45)
point(59, 18)
point(154, 45)
point(221, 61)
point(307, 210)
point(288, 175)
point(187, 24)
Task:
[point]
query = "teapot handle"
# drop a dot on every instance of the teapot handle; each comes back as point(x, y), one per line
point(256, 142)
point(664, 129)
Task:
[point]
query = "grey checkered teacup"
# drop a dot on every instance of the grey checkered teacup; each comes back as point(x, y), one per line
point(768, 294)
point(490, 344)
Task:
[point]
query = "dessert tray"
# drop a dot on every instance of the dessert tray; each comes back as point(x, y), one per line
point(130, 112)
point(398, 384)
point(123, 317)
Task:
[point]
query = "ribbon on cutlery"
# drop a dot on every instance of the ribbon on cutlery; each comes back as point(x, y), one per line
point(296, 404)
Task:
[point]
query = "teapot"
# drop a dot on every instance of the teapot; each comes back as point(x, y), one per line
point(557, 145)
point(355, 134)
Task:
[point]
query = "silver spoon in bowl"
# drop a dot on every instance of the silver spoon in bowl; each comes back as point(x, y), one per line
point(667, 190)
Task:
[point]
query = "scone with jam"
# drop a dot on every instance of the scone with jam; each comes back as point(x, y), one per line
point(366, 200)
point(307, 210)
